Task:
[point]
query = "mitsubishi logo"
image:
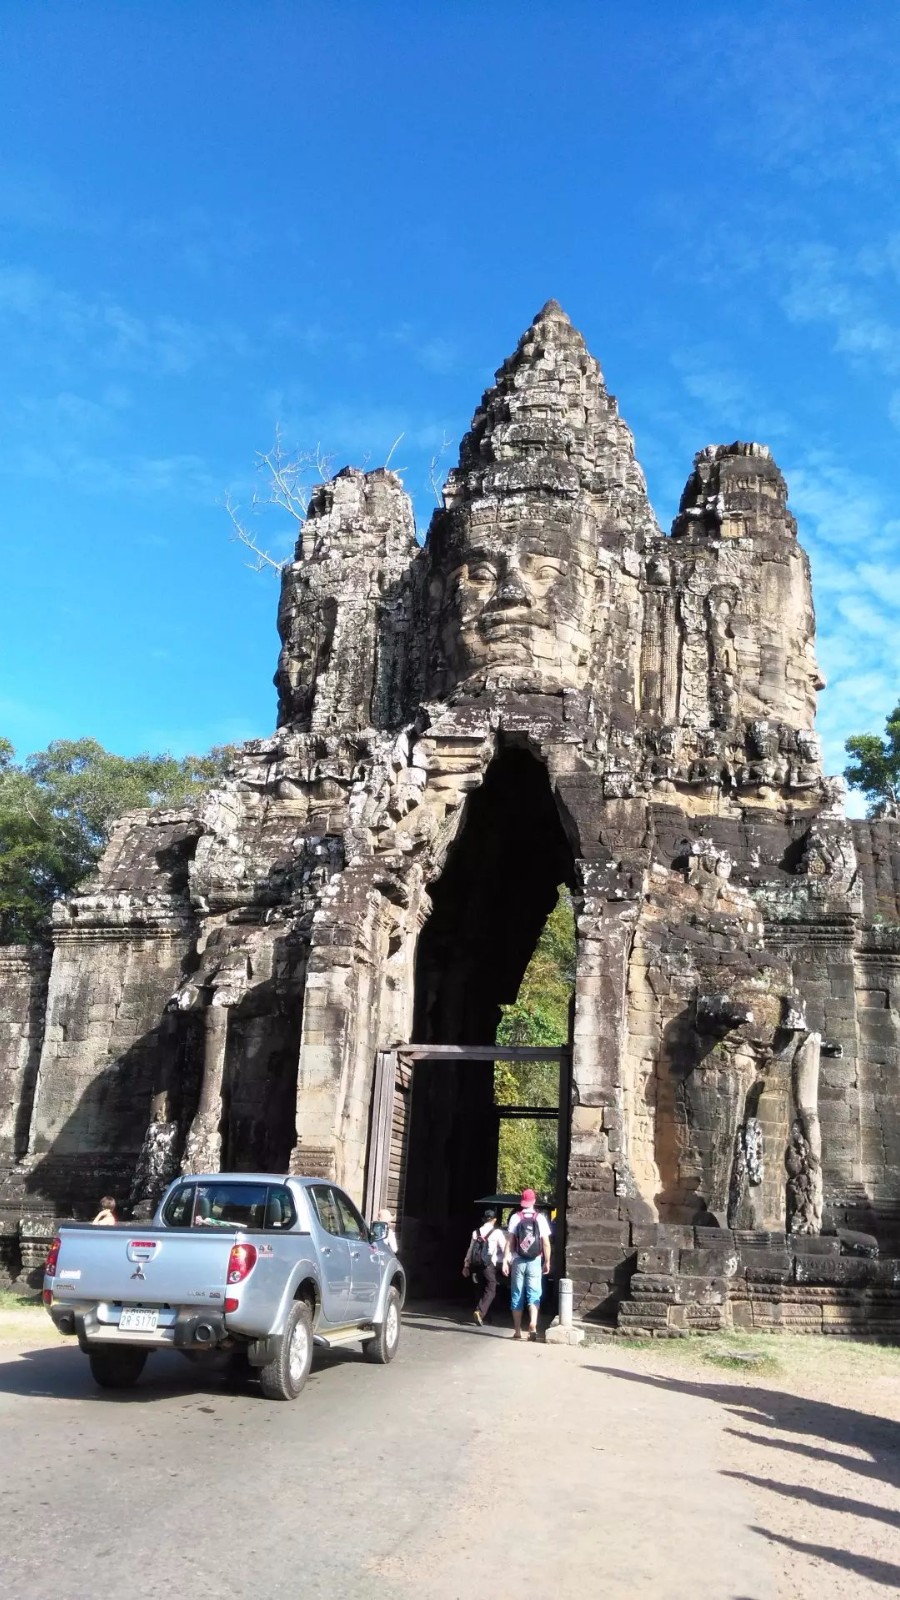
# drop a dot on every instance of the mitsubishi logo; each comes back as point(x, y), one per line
point(139, 1273)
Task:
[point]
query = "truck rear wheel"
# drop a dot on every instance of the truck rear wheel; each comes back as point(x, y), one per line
point(283, 1377)
point(116, 1369)
point(384, 1346)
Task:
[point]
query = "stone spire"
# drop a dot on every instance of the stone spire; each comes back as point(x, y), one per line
point(343, 611)
point(734, 489)
point(549, 424)
point(527, 558)
point(734, 542)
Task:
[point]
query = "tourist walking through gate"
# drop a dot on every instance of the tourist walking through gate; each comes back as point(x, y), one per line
point(484, 1258)
point(525, 1260)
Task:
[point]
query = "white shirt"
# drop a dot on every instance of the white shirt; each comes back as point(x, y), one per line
point(516, 1218)
point(496, 1241)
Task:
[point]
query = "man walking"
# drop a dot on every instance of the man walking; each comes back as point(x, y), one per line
point(483, 1260)
point(527, 1258)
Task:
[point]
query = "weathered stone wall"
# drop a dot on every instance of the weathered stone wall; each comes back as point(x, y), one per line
point(220, 992)
point(701, 1280)
point(24, 974)
point(874, 1203)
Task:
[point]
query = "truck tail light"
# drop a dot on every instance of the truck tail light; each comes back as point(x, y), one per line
point(50, 1269)
point(241, 1262)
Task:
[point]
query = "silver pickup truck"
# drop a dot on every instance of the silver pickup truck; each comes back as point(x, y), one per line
point(256, 1267)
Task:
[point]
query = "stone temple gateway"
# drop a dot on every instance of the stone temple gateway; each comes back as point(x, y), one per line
point(549, 691)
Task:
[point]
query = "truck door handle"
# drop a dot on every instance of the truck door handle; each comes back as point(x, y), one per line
point(326, 1249)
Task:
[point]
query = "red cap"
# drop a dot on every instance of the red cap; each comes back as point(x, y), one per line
point(528, 1197)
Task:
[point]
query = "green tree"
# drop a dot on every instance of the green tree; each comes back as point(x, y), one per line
point(876, 768)
point(56, 811)
point(539, 1016)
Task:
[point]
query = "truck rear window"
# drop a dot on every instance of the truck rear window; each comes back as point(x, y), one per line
point(230, 1205)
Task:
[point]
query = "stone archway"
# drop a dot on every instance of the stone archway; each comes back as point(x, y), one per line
point(498, 886)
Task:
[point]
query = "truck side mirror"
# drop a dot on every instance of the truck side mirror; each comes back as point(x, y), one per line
point(378, 1232)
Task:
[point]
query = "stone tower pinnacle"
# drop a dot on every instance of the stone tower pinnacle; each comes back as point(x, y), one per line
point(549, 424)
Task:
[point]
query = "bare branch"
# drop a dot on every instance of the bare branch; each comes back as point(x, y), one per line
point(391, 452)
point(263, 560)
point(324, 464)
point(288, 487)
point(288, 480)
point(434, 470)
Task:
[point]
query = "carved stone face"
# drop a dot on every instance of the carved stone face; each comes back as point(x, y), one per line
point(519, 606)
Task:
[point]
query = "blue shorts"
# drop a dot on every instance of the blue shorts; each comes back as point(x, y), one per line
point(525, 1282)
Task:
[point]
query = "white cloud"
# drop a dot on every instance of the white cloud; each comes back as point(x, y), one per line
point(824, 110)
point(98, 330)
point(825, 286)
point(64, 460)
point(854, 548)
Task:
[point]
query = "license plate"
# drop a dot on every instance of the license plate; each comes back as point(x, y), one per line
point(139, 1321)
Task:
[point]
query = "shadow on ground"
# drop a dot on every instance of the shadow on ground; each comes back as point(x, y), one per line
point(830, 1431)
point(62, 1373)
point(441, 1316)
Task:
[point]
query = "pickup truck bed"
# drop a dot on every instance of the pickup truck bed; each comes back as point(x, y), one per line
point(195, 1281)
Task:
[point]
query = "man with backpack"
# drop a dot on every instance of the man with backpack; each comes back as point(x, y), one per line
point(483, 1260)
point(526, 1259)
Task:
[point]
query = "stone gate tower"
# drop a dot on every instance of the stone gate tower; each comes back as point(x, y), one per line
point(548, 690)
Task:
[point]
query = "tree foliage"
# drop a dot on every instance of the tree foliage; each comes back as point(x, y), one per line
point(56, 811)
point(539, 1016)
point(876, 768)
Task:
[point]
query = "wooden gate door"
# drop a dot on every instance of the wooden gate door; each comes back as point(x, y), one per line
point(388, 1136)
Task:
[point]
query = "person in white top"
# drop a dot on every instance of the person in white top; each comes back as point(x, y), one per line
point(484, 1257)
point(525, 1260)
point(390, 1237)
point(106, 1216)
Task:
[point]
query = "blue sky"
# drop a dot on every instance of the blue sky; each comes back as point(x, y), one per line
point(219, 217)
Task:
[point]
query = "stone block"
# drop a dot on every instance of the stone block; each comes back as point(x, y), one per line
point(583, 1228)
point(674, 1236)
point(644, 1308)
point(834, 1269)
point(707, 1263)
point(645, 1234)
point(706, 1318)
point(811, 1244)
point(703, 1291)
point(650, 1286)
point(655, 1259)
point(759, 1239)
point(768, 1266)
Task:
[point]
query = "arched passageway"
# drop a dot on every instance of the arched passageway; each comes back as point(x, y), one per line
point(499, 885)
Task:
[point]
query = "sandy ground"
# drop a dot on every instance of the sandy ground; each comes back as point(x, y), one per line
point(471, 1468)
point(813, 1433)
